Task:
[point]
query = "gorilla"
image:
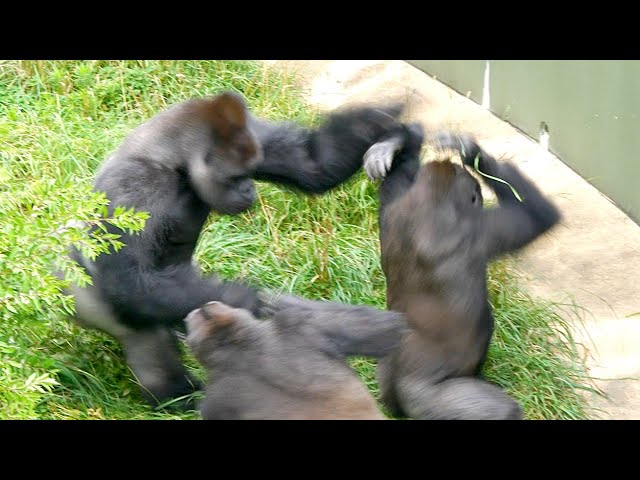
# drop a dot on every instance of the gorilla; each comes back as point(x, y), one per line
point(436, 241)
point(195, 157)
point(292, 365)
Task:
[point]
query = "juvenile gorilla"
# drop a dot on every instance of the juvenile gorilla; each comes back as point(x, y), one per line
point(198, 156)
point(436, 240)
point(292, 366)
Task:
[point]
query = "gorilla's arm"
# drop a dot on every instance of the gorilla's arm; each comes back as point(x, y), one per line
point(350, 329)
point(395, 160)
point(513, 224)
point(149, 298)
point(317, 160)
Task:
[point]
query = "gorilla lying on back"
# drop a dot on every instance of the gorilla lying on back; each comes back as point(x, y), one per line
point(436, 240)
point(293, 365)
point(198, 156)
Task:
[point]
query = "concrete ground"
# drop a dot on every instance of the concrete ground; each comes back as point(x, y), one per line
point(592, 258)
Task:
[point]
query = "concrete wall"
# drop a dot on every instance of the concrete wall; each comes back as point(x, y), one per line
point(591, 108)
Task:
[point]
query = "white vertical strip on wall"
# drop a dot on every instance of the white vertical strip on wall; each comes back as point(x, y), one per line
point(486, 101)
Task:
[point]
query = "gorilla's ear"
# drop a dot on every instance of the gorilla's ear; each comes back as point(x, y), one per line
point(218, 314)
point(226, 113)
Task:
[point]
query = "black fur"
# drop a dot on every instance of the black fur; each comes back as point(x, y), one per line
point(292, 365)
point(436, 240)
point(198, 156)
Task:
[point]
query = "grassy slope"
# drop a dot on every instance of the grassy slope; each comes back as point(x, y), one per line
point(60, 119)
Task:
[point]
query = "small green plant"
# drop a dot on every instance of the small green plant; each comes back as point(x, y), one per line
point(477, 169)
point(42, 218)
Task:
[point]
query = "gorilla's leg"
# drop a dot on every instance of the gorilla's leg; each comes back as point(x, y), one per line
point(384, 375)
point(153, 356)
point(152, 353)
point(464, 398)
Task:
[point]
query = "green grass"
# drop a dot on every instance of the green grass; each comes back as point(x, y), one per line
point(58, 121)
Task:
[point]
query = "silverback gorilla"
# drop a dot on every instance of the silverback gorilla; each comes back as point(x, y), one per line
point(197, 156)
point(291, 366)
point(436, 240)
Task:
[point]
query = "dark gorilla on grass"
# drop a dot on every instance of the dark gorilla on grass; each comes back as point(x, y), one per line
point(436, 240)
point(291, 366)
point(194, 157)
